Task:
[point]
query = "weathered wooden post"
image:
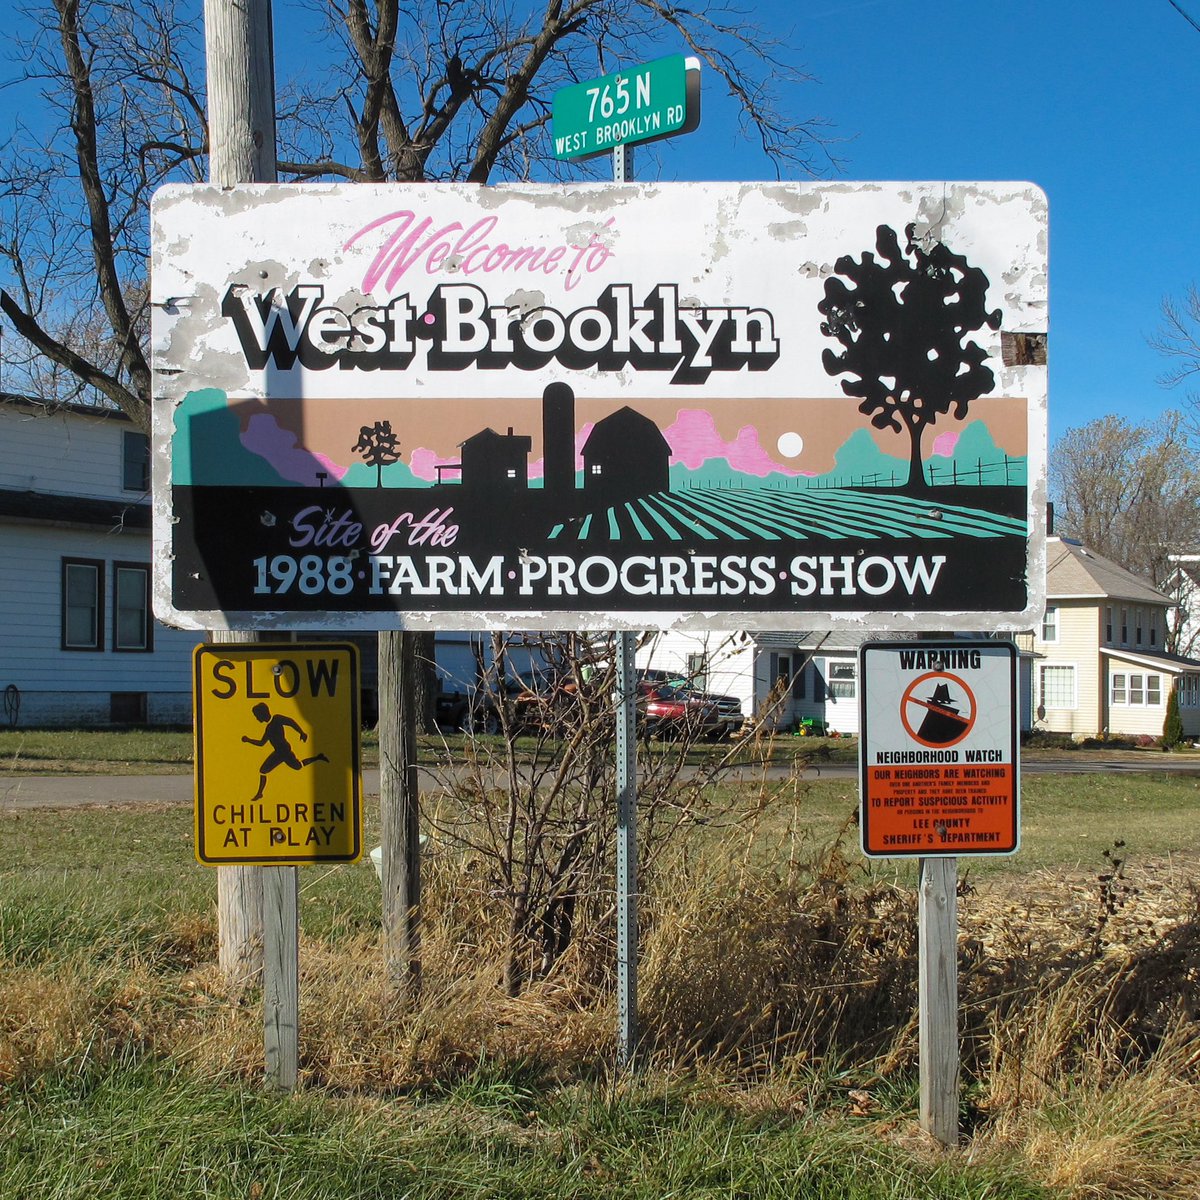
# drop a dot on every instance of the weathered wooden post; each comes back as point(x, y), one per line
point(241, 131)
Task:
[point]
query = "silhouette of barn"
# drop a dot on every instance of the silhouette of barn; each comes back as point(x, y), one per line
point(625, 456)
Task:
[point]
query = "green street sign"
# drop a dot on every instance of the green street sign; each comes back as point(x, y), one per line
point(656, 100)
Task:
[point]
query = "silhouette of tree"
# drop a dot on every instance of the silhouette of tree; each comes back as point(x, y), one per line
point(903, 325)
point(377, 447)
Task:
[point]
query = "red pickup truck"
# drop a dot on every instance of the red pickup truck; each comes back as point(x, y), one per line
point(669, 711)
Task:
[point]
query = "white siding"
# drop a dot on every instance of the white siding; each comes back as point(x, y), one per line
point(456, 662)
point(841, 712)
point(58, 686)
point(729, 661)
point(66, 453)
point(62, 453)
point(815, 699)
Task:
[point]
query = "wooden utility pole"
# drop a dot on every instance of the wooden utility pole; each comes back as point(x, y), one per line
point(241, 100)
point(241, 134)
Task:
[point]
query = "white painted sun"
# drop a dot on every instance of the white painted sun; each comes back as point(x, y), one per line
point(790, 444)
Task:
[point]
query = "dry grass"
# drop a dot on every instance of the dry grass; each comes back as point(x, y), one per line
point(786, 982)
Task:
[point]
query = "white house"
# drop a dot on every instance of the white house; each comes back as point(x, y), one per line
point(1183, 586)
point(788, 679)
point(782, 678)
point(1101, 662)
point(78, 642)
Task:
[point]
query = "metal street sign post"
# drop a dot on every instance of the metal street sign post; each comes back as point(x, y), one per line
point(939, 776)
point(644, 104)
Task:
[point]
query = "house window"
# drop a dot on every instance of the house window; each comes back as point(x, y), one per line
point(1139, 689)
point(1108, 625)
point(1124, 627)
point(1050, 625)
point(82, 604)
point(843, 678)
point(1057, 686)
point(800, 679)
point(135, 462)
point(597, 469)
point(781, 672)
point(697, 670)
point(132, 626)
point(1139, 615)
point(1154, 618)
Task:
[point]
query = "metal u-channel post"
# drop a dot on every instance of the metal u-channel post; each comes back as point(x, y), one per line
point(626, 707)
point(627, 939)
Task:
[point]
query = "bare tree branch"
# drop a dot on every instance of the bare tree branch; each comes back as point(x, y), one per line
point(128, 402)
point(1185, 15)
point(83, 124)
point(1179, 339)
point(426, 90)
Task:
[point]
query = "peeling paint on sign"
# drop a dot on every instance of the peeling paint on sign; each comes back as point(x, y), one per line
point(752, 406)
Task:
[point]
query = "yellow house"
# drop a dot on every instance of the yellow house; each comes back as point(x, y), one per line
point(1100, 663)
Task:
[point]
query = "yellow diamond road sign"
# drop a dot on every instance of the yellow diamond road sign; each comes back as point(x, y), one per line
point(277, 753)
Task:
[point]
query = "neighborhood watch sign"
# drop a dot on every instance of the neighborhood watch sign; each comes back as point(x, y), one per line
point(757, 406)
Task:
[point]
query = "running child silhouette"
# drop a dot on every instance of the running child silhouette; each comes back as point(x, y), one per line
point(282, 755)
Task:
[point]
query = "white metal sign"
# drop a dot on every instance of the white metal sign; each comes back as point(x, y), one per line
point(938, 750)
point(765, 406)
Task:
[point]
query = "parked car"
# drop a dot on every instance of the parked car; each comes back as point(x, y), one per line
point(666, 711)
point(730, 717)
point(451, 710)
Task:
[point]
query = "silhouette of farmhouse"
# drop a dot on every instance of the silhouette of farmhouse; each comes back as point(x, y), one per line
point(625, 456)
point(493, 462)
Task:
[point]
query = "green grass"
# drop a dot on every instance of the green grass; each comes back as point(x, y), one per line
point(1067, 821)
point(96, 751)
point(69, 876)
point(72, 878)
point(150, 1090)
point(145, 1132)
point(169, 751)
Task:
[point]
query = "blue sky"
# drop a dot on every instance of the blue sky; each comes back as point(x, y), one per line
point(1093, 100)
point(1096, 102)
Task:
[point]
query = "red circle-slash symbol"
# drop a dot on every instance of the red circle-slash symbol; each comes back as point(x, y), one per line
point(938, 709)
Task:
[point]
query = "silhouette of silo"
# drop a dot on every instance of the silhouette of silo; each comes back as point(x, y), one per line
point(558, 441)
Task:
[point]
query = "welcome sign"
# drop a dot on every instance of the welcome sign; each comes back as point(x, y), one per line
point(750, 405)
